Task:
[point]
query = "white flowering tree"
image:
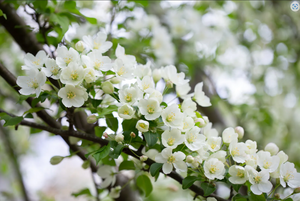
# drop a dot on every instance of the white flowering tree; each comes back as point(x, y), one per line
point(115, 106)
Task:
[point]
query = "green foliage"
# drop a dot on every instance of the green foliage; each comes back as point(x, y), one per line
point(99, 130)
point(112, 122)
point(144, 183)
point(2, 14)
point(85, 192)
point(10, 121)
point(155, 168)
point(101, 153)
point(239, 197)
point(105, 111)
point(127, 165)
point(253, 197)
point(208, 188)
point(188, 181)
point(151, 138)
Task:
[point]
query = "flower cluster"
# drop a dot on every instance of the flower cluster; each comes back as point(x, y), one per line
point(187, 139)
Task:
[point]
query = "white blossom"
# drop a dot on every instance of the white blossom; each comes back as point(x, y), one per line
point(150, 108)
point(238, 151)
point(172, 116)
point(267, 162)
point(289, 175)
point(32, 83)
point(193, 139)
point(52, 69)
point(200, 97)
point(65, 56)
point(259, 180)
point(238, 174)
point(130, 95)
point(214, 143)
point(214, 169)
point(188, 123)
point(229, 135)
point(146, 83)
point(109, 174)
point(73, 74)
point(143, 70)
point(142, 125)
point(73, 95)
point(97, 42)
point(34, 62)
point(125, 111)
point(170, 159)
point(189, 107)
point(172, 138)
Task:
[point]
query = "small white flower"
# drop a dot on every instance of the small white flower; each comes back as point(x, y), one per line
point(90, 75)
point(238, 174)
point(96, 61)
point(170, 159)
point(32, 83)
point(202, 155)
point(125, 111)
point(122, 70)
point(128, 60)
point(267, 162)
point(194, 140)
point(214, 169)
point(155, 94)
point(238, 151)
point(172, 116)
point(259, 180)
point(229, 135)
point(97, 42)
point(146, 83)
point(214, 143)
point(272, 148)
point(35, 62)
point(200, 97)
point(65, 56)
point(130, 95)
point(172, 138)
point(156, 74)
point(52, 69)
point(189, 107)
point(240, 131)
point(109, 174)
point(208, 131)
point(150, 108)
point(289, 175)
point(143, 70)
point(251, 147)
point(79, 46)
point(170, 75)
point(251, 160)
point(73, 74)
point(73, 95)
point(188, 123)
point(183, 90)
point(142, 126)
point(282, 159)
point(220, 155)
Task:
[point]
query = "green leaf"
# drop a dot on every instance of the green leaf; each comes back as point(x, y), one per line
point(109, 161)
point(24, 97)
point(70, 5)
point(2, 14)
point(164, 104)
point(288, 199)
point(208, 188)
point(117, 151)
point(151, 138)
point(254, 197)
point(104, 111)
point(112, 122)
point(101, 153)
point(33, 110)
point(10, 121)
point(239, 197)
point(35, 130)
point(127, 165)
point(85, 191)
point(236, 187)
point(155, 168)
point(188, 181)
point(99, 130)
point(40, 4)
point(91, 20)
point(143, 182)
point(96, 102)
point(128, 126)
point(63, 21)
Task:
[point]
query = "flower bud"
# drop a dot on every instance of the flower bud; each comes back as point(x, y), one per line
point(169, 84)
point(206, 119)
point(105, 135)
point(156, 73)
point(297, 190)
point(92, 119)
point(116, 80)
point(143, 158)
point(277, 196)
point(79, 46)
point(201, 122)
point(240, 131)
point(85, 164)
point(189, 159)
point(119, 138)
point(173, 188)
point(272, 148)
point(142, 126)
point(56, 160)
point(107, 87)
point(132, 134)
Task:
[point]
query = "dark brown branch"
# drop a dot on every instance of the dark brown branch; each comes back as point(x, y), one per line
point(13, 157)
point(19, 30)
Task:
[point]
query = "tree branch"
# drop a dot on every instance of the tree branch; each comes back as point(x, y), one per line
point(13, 157)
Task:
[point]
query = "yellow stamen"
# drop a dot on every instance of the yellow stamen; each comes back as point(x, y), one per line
point(171, 159)
point(71, 95)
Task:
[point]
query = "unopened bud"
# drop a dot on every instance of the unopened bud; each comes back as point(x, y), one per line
point(79, 46)
point(173, 188)
point(92, 119)
point(169, 84)
point(272, 148)
point(105, 135)
point(240, 131)
point(107, 87)
point(201, 122)
point(116, 80)
point(86, 164)
point(132, 134)
point(277, 195)
point(205, 119)
point(143, 158)
point(156, 74)
point(56, 160)
point(190, 159)
point(297, 190)
point(119, 138)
